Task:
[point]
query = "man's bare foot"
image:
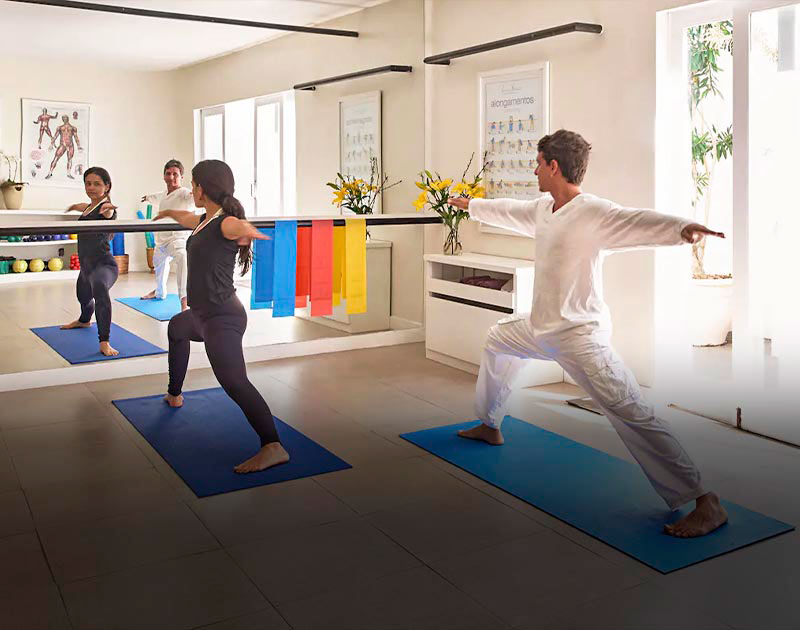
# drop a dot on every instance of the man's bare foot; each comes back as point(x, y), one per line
point(270, 455)
point(708, 515)
point(184, 304)
point(76, 324)
point(174, 401)
point(107, 350)
point(484, 433)
point(149, 296)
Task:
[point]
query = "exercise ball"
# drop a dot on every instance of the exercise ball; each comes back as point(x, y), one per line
point(37, 265)
point(55, 264)
point(73, 237)
point(19, 266)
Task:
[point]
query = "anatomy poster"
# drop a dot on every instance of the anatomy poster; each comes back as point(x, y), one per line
point(55, 142)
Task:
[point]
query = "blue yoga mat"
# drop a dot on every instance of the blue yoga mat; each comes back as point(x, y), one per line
point(80, 345)
point(603, 496)
point(209, 435)
point(162, 310)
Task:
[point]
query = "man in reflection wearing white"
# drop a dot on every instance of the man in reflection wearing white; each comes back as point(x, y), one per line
point(571, 324)
point(170, 245)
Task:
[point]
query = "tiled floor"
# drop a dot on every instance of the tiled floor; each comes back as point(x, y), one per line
point(97, 532)
point(30, 305)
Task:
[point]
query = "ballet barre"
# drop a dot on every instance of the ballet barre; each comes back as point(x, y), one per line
point(165, 225)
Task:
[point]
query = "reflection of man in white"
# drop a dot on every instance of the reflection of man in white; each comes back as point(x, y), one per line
point(170, 245)
point(65, 133)
point(571, 324)
point(44, 126)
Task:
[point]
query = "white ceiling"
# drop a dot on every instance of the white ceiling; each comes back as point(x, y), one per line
point(152, 44)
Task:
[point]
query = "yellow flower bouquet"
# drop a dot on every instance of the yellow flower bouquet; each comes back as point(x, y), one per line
point(357, 195)
point(435, 192)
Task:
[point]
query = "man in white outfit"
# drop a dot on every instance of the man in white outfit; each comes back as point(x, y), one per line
point(170, 245)
point(570, 323)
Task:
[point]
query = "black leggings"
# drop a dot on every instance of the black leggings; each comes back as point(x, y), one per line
point(94, 281)
point(222, 328)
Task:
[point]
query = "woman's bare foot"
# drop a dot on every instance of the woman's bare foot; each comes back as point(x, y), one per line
point(708, 515)
point(76, 324)
point(149, 296)
point(174, 401)
point(107, 350)
point(484, 433)
point(270, 455)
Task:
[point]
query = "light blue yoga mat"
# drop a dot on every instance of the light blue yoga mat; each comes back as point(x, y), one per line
point(209, 435)
point(162, 310)
point(603, 496)
point(80, 345)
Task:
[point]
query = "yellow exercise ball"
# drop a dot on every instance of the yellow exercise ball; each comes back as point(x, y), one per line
point(73, 237)
point(55, 264)
point(37, 265)
point(19, 266)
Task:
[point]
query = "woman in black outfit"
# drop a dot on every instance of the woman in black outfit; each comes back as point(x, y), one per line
point(99, 270)
point(215, 314)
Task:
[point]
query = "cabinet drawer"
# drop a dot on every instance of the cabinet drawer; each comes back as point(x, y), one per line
point(458, 330)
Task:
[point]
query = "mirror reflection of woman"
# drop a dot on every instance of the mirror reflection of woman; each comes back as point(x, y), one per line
point(215, 315)
point(99, 270)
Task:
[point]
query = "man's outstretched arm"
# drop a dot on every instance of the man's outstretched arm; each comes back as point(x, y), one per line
point(511, 214)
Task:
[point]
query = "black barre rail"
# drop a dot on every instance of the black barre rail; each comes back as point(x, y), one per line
point(89, 227)
point(312, 85)
point(443, 59)
point(169, 15)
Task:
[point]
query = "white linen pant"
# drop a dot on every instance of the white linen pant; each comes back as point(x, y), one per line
point(162, 257)
point(591, 361)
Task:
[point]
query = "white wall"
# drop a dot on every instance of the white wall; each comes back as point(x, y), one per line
point(134, 130)
point(390, 33)
point(602, 86)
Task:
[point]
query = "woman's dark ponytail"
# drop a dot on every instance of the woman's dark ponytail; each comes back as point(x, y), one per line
point(216, 179)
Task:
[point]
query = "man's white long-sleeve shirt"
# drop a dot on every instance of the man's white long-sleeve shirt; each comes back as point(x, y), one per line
point(568, 281)
point(178, 199)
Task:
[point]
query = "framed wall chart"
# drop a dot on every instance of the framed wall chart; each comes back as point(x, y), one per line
point(360, 136)
point(514, 115)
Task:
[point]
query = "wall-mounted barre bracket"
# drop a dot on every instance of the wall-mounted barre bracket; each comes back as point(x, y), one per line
point(169, 15)
point(138, 225)
point(443, 59)
point(312, 85)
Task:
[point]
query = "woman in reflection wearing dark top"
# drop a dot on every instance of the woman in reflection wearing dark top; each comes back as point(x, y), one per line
point(215, 315)
point(98, 268)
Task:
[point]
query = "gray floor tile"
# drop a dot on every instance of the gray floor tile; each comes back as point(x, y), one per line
point(268, 619)
point(319, 559)
point(245, 515)
point(534, 577)
point(15, 517)
point(417, 599)
point(436, 529)
point(38, 608)
point(22, 564)
point(370, 489)
point(643, 606)
point(173, 595)
point(106, 545)
point(71, 502)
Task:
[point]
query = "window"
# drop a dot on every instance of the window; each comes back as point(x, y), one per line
point(256, 137)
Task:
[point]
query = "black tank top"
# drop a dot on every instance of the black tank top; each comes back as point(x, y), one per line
point(211, 259)
point(95, 245)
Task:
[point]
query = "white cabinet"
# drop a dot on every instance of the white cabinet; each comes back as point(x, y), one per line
point(458, 315)
point(379, 296)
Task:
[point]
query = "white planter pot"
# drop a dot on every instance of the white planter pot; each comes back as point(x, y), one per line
point(12, 195)
point(710, 311)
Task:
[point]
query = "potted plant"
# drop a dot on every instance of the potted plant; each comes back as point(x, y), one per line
point(435, 193)
point(711, 293)
point(359, 196)
point(11, 188)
